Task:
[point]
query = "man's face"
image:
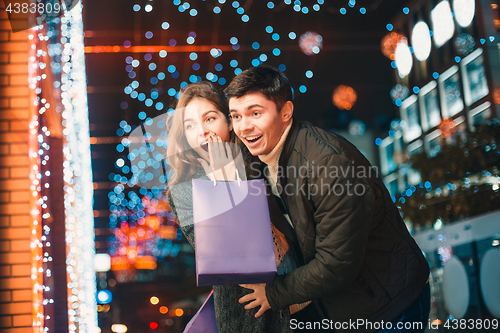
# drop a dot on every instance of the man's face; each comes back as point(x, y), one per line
point(257, 122)
point(201, 120)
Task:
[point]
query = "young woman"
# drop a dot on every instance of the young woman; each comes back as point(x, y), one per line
point(197, 148)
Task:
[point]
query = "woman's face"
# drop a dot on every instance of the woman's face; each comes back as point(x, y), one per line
point(201, 120)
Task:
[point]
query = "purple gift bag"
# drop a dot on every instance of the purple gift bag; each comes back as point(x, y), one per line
point(232, 231)
point(204, 320)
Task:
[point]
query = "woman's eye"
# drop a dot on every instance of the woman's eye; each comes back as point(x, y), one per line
point(189, 126)
point(210, 119)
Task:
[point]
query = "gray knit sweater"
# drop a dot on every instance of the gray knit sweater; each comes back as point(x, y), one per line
point(231, 316)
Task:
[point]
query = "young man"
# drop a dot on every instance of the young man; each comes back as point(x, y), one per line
point(359, 260)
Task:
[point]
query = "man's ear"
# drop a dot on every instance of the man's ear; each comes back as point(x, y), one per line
point(287, 112)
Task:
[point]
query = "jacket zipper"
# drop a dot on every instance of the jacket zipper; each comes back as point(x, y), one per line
point(366, 287)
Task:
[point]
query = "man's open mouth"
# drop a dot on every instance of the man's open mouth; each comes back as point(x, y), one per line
point(204, 146)
point(253, 139)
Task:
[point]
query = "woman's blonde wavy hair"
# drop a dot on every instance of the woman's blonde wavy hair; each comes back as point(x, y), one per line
point(182, 158)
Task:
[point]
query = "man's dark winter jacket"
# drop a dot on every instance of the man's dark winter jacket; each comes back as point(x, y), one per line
point(359, 258)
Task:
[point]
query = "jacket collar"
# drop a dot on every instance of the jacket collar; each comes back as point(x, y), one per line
point(287, 150)
point(257, 167)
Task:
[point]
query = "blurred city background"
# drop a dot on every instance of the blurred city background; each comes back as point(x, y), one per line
point(415, 85)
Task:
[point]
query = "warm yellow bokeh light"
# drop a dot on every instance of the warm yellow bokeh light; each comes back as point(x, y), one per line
point(119, 328)
point(344, 97)
point(154, 300)
point(179, 312)
point(163, 309)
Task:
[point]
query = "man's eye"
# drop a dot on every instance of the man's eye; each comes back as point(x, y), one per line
point(235, 116)
point(256, 113)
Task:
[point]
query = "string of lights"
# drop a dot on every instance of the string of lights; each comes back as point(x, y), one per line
point(40, 182)
point(78, 197)
point(44, 66)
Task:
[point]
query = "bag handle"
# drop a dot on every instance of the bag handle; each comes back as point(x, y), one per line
point(212, 178)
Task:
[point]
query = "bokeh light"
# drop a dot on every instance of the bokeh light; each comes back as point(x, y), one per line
point(311, 43)
point(344, 97)
point(389, 44)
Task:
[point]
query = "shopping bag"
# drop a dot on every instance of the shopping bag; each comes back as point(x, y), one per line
point(204, 320)
point(232, 232)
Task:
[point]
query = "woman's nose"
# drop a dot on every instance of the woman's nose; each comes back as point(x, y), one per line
point(203, 131)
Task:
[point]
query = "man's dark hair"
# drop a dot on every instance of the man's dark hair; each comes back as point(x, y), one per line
point(262, 79)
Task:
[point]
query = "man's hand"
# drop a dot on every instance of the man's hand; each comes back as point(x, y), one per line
point(258, 297)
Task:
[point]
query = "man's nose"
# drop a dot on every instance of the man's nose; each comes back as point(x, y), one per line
point(246, 124)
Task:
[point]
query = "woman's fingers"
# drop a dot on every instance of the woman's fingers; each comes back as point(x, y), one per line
point(229, 153)
point(218, 154)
